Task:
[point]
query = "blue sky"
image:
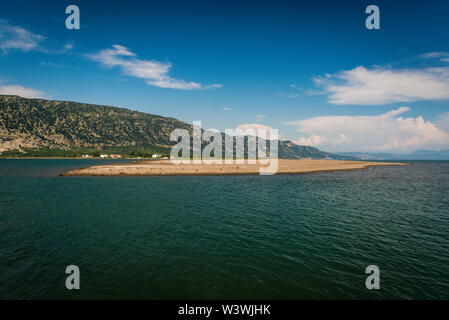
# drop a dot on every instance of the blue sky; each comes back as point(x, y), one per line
point(310, 69)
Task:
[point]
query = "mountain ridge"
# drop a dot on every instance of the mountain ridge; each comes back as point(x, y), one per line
point(40, 127)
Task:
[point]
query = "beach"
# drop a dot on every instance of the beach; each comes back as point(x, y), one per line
point(167, 167)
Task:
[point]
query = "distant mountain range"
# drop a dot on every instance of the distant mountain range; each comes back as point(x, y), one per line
point(416, 155)
point(290, 150)
point(38, 127)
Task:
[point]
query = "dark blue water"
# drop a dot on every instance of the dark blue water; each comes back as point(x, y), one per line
point(224, 237)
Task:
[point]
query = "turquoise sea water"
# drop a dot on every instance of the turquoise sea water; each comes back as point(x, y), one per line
point(224, 237)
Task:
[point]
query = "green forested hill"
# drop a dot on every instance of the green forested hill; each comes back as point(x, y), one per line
point(36, 123)
point(37, 127)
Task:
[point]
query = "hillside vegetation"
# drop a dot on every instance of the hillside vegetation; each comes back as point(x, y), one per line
point(38, 127)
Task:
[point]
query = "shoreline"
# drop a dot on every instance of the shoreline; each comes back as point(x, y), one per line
point(74, 158)
point(166, 168)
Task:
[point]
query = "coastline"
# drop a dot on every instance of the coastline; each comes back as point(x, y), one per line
point(73, 158)
point(167, 168)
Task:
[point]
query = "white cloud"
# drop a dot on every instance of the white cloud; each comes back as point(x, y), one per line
point(341, 139)
point(226, 109)
point(260, 130)
point(312, 140)
point(384, 132)
point(362, 86)
point(18, 38)
point(154, 72)
point(17, 90)
point(435, 55)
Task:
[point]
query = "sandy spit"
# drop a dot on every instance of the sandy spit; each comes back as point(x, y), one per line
point(166, 167)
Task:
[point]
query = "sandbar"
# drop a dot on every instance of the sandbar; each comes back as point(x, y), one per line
point(166, 167)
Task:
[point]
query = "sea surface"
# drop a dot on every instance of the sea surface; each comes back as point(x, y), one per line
point(307, 236)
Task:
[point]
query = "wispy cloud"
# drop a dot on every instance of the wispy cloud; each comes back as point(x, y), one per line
point(68, 46)
point(154, 72)
point(435, 55)
point(18, 38)
point(226, 109)
point(307, 91)
point(21, 91)
point(299, 92)
point(284, 95)
point(54, 65)
point(384, 132)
